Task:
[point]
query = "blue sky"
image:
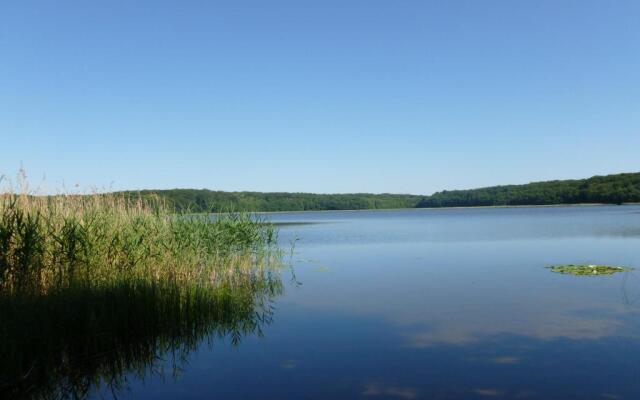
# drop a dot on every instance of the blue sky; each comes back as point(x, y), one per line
point(318, 96)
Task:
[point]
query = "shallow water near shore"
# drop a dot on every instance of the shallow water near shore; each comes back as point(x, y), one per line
point(433, 304)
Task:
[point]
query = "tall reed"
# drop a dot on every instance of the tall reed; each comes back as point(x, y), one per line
point(95, 287)
point(57, 241)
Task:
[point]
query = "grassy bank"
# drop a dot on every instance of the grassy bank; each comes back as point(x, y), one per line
point(59, 241)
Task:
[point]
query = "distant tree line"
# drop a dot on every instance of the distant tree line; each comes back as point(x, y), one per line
point(611, 189)
point(194, 200)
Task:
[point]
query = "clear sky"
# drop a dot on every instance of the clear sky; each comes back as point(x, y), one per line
point(318, 96)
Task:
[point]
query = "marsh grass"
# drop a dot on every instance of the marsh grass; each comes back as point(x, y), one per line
point(95, 288)
point(57, 241)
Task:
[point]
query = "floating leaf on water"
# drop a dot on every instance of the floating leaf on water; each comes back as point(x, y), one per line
point(587, 270)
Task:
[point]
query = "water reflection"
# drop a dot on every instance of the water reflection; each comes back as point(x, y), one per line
point(71, 343)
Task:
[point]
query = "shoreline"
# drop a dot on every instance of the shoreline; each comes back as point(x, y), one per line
point(440, 208)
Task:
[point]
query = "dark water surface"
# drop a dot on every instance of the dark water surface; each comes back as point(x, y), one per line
point(434, 304)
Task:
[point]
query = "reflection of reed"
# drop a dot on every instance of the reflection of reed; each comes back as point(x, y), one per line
point(66, 343)
point(629, 288)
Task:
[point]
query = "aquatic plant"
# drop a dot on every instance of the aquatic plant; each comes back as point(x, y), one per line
point(587, 270)
point(57, 241)
point(95, 287)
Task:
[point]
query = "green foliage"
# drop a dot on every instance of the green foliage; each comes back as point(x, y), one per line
point(199, 201)
point(611, 189)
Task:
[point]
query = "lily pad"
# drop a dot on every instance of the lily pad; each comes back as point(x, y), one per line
point(587, 270)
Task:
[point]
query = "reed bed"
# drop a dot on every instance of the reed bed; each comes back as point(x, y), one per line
point(59, 241)
point(96, 287)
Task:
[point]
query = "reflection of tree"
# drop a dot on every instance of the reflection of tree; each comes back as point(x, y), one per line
point(65, 344)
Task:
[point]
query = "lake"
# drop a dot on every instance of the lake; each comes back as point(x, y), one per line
point(433, 304)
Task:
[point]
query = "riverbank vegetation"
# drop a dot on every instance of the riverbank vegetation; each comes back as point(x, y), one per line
point(611, 189)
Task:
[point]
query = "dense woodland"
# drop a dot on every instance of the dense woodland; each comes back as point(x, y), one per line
point(611, 189)
point(194, 200)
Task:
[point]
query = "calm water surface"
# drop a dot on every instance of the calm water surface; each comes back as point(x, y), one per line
point(435, 304)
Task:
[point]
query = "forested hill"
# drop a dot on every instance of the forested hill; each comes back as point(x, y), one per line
point(194, 200)
point(610, 189)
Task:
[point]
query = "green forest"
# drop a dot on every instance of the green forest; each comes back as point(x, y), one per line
point(610, 189)
point(203, 200)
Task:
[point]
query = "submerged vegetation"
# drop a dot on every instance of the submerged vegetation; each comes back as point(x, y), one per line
point(96, 287)
point(587, 270)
